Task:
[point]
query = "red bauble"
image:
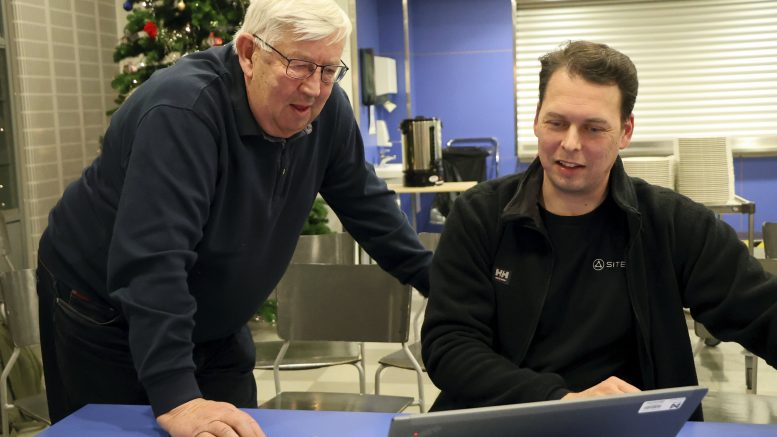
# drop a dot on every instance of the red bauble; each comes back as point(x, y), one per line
point(151, 29)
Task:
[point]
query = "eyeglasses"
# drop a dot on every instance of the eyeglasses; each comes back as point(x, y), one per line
point(302, 69)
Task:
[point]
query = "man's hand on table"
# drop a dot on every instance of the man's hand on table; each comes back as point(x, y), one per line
point(610, 386)
point(203, 418)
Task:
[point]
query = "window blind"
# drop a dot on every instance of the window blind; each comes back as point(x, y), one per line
point(706, 67)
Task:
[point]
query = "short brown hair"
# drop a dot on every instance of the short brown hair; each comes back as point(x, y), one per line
point(596, 63)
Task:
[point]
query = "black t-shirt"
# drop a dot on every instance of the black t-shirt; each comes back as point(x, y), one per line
point(586, 331)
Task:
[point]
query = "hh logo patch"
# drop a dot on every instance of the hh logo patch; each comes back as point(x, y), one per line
point(502, 275)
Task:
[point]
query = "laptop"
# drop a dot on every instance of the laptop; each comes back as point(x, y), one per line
point(651, 413)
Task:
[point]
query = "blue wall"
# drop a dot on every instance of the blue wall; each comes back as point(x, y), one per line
point(462, 73)
point(380, 28)
point(756, 180)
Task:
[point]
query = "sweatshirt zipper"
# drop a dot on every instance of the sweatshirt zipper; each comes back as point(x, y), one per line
point(282, 169)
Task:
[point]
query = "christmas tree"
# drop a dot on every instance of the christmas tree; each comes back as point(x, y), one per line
point(159, 32)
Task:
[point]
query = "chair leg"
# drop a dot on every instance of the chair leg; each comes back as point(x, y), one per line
point(276, 371)
point(419, 377)
point(377, 378)
point(362, 377)
point(4, 405)
point(417, 320)
point(362, 373)
point(751, 372)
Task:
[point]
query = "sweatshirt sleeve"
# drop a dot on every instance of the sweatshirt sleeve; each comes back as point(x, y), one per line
point(369, 210)
point(459, 331)
point(164, 204)
point(725, 288)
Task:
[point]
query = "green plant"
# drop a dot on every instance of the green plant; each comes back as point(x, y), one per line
point(316, 223)
point(268, 311)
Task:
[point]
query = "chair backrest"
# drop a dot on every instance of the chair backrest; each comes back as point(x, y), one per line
point(21, 306)
point(769, 265)
point(429, 240)
point(705, 171)
point(770, 239)
point(338, 248)
point(357, 302)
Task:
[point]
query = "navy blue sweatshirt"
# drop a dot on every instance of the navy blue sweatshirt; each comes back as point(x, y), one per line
point(189, 217)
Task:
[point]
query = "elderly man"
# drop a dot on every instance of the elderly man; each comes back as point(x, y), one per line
point(155, 259)
point(569, 279)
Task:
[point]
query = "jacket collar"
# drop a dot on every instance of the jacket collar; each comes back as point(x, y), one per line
point(524, 205)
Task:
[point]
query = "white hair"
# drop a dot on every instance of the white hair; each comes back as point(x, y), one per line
point(303, 20)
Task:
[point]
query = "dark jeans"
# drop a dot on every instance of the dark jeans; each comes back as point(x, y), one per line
point(86, 356)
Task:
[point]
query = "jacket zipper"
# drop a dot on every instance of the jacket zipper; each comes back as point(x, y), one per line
point(280, 174)
point(648, 371)
point(547, 285)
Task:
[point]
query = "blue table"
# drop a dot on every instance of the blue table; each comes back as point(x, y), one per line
point(137, 420)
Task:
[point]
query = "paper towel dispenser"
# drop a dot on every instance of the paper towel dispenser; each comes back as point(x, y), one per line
point(385, 76)
point(378, 77)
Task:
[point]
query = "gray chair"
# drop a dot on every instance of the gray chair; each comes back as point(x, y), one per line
point(20, 314)
point(770, 239)
point(20, 301)
point(338, 248)
point(414, 361)
point(357, 303)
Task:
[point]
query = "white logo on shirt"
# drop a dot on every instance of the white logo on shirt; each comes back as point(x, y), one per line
point(600, 264)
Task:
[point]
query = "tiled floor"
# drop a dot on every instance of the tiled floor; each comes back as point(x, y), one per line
point(720, 368)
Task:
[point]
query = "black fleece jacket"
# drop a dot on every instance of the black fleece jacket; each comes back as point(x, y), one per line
point(494, 263)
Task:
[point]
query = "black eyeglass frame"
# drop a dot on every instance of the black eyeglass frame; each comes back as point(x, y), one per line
point(343, 68)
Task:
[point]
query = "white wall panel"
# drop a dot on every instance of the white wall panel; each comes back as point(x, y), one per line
point(706, 67)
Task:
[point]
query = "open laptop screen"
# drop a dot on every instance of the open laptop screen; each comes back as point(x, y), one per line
point(652, 413)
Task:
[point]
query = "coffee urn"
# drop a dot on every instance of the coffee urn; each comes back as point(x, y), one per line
point(422, 151)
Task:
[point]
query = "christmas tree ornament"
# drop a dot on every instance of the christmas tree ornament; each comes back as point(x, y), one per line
point(151, 29)
point(132, 64)
point(171, 57)
point(127, 5)
point(214, 40)
point(180, 5)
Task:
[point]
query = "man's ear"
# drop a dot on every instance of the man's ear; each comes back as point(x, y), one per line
point(537, 120)
point(628, 131)
point(245, 51)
